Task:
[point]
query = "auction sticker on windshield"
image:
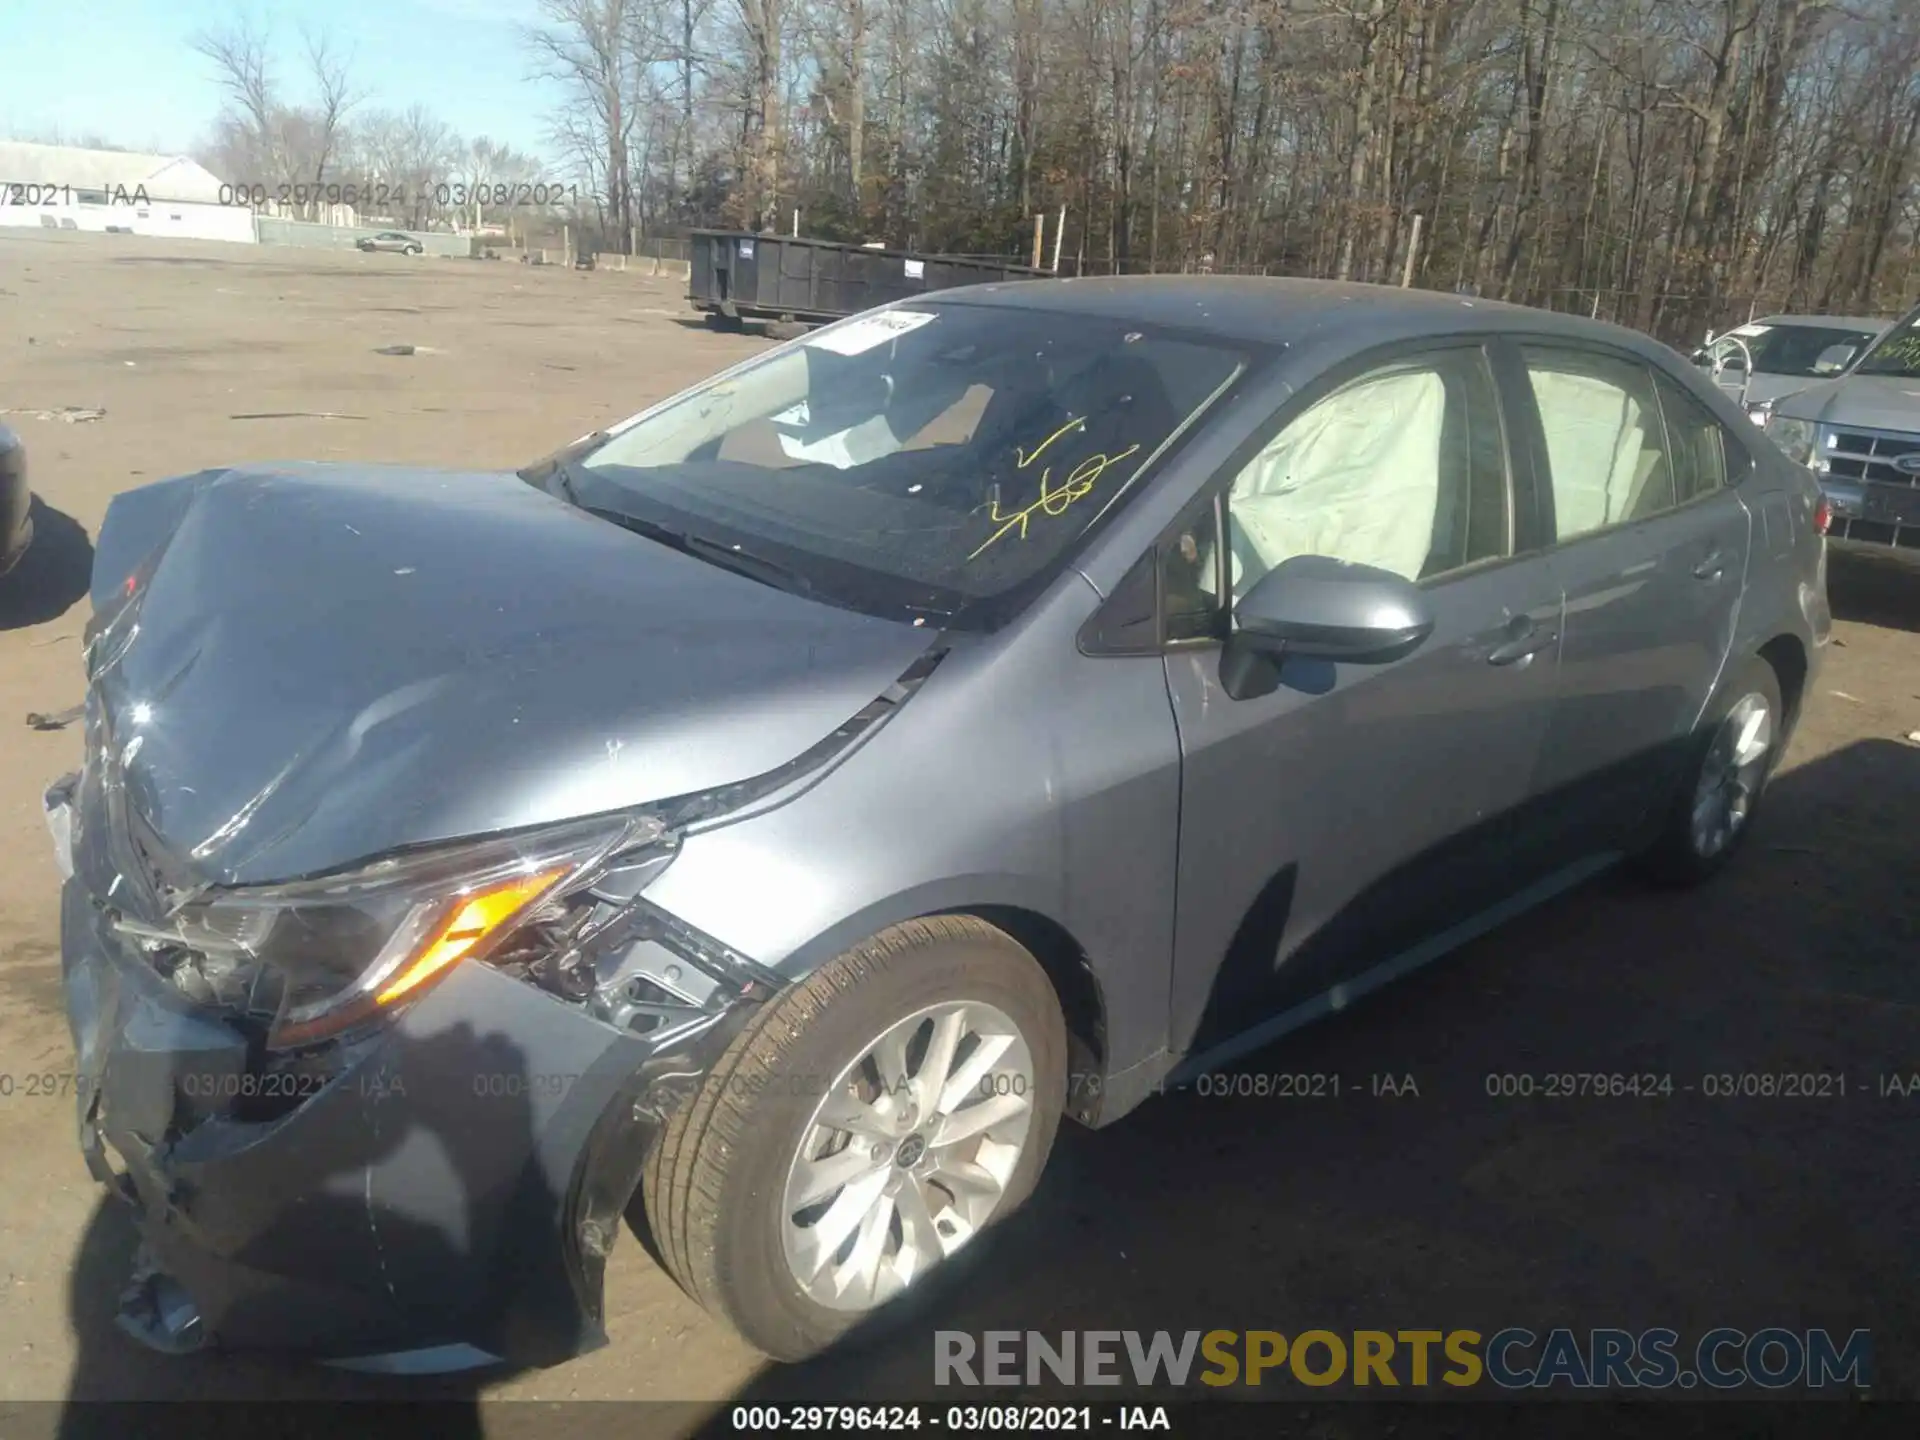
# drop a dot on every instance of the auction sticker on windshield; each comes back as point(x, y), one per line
point(856, 337)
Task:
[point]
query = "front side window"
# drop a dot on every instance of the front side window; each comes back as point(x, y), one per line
point(1403, 469)
point(1605, 445)
point(914, 461)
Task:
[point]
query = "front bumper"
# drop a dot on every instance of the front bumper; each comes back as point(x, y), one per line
point(448, 1188)
point(1866, 513)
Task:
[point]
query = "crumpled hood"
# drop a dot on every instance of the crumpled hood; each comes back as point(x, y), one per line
point(304, 665)
point(1874, 402)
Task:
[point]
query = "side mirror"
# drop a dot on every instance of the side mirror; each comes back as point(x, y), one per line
point(1835, 358)
point(1316, 606)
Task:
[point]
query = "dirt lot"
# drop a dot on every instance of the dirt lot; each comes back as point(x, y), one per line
point(1443, 1209)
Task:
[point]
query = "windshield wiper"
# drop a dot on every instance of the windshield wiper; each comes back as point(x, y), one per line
point(715, 552)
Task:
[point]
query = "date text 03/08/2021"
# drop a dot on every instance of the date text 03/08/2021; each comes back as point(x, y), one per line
point(961, 1419)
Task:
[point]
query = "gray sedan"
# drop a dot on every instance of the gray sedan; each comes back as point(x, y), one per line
point(397, 241)
point(784, 807)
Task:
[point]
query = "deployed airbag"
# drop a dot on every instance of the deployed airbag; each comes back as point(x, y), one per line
point(1604, 445)
point(1356, 477)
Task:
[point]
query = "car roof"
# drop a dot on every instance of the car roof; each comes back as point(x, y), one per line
point(1823, 322)
point(1295, 312)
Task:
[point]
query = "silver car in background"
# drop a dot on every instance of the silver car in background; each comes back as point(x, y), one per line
point(1859, 435)
point(396, 241)
point(1770, 358)
point(782, 808)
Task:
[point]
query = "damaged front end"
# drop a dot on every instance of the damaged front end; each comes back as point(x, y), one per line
point(375, 1024)
point(391, 1116)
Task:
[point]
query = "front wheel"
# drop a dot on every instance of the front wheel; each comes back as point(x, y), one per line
point(866, 1126)
point(1732, 759)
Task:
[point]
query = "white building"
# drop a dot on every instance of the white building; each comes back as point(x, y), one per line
point(60, 187)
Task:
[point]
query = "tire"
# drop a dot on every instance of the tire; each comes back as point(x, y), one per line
point(1683, 853)
point(415, 250)
point(719, 1183)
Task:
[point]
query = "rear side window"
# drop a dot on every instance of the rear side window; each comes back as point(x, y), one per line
point(1605, 442)
point(1697, 441)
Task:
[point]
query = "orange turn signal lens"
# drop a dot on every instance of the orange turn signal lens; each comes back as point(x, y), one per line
point(478, 916)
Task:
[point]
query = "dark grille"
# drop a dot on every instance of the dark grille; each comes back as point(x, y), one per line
point(1869, 455)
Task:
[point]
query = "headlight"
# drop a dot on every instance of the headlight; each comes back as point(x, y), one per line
point(323, 956)
point(1793, 436)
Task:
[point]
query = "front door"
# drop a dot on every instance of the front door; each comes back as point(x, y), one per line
point(1359, 809)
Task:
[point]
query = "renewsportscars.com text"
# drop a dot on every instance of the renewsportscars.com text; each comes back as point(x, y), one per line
point(1509, 1359)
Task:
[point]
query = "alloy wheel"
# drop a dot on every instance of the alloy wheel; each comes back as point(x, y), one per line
point(908, 1154)
point(1732, 774)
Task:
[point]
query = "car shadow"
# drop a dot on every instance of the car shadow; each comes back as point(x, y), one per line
point(1418, 1193)
point(1875, 589)
point(52, 576)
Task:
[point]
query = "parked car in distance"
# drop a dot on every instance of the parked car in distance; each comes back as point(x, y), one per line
point(16, 500)
point(1787, 353)
point(395, 240)
point(783, 807)
point(1859, 434)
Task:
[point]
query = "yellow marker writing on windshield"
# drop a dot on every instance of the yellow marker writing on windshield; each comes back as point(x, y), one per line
point(1024, 460)
point(1079, 481)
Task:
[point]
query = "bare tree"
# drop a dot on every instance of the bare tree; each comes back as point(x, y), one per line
point(243, 70)
point(597, 50)
point(1669, 163)
point(334, 95)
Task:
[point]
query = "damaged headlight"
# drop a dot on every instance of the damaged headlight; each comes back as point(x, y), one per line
point(1793, 436)
point(320, 957)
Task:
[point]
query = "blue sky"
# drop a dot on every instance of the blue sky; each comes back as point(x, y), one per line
point(123, 69)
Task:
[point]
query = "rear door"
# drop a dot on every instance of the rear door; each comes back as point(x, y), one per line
point(1356, 809)
point(1650, 544)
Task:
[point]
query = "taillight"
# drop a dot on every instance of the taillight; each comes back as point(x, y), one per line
point(1822, 516)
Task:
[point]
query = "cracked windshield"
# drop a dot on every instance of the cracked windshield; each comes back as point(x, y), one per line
point(916, 458)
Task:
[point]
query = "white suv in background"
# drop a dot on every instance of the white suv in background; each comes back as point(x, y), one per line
point(1860, 435)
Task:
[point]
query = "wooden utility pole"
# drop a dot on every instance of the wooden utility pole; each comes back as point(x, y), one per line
point(1413, 254)
point(1039, 239)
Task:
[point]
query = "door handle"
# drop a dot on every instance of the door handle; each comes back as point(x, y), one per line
point(1527, 639)
point(1710, 568)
